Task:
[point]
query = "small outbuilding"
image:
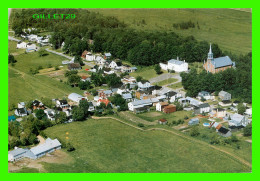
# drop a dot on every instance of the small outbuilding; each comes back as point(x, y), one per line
point(162, 121)
point(193, 121)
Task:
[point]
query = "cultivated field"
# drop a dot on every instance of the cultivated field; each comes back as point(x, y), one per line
point(106, 145)
point(230, 29)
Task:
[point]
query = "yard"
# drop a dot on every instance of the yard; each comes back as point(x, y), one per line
point(145, 72)
point(165, 82)
point(176, 86)
point(109, 146)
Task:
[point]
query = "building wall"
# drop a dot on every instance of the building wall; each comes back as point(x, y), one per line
point(210, 67)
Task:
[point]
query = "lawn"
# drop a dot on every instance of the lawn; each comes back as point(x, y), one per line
point(145, 72)
point(176, 86)
point(230, 29)
point(165, 82)
point(109, 146)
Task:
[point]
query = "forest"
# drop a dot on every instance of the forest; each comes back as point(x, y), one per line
point(140, 48)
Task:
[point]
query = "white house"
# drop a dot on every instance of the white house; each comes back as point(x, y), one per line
point(144, 85)
point(204, 94)
point(21, 45)
point(112, 65)
point(50, 114)
point(76, 97)
point(21, 105)
point(138, 104)
point(249, 112)
point(31, 48)
point(202, 108)
point(62, 104)
point(238, 120)
point(160, 105)
point(100, 61)
point(20, 112)
point(176, 65)
point(90, 56)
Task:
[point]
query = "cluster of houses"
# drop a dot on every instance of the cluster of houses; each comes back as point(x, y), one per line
point(36, 152)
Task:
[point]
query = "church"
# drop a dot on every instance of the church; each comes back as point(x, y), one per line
point(215, 65)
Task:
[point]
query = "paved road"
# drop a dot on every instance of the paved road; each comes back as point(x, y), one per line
point(57, 53)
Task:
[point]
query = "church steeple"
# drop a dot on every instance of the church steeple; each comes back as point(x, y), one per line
point(210, 54)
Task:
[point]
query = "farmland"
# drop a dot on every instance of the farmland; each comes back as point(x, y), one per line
point(120, 148)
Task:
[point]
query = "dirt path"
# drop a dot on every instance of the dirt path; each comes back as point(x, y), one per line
point(41, 139)
point(234, 157)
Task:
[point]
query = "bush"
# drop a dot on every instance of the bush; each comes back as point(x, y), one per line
point(247, 131)
point(141, 125)
point(234, 138)
point(49, 66)
point(186, 117)
point(194, 131)
point(214, 140)
point(57, 68)
point(70, 148)
point(43, 134)
point(174, 122)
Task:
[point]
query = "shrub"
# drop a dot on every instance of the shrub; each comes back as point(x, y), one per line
point(194, 131)
point(140, 125)
point(186, 117)
point(70, 148)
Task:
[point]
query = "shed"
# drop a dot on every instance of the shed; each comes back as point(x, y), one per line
point(193, 121)
point(162, 121)
point(169, 109)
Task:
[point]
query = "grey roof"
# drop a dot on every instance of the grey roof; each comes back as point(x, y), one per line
point(107, 54)
point(223, 93)
point(108, 92)
point(140, 102)
point(74, 97)
point(127, 96)
point(177, 62)
point(222, 62)
point(17, 151)
point(237, 117)
point(21, 111)
point(48, 145)
point(203, 93)
point(133, 68)
point(203, 105)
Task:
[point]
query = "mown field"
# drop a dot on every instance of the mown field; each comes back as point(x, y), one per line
point(109, 146)
point(23, 86)
point(165, 82)
point(230, 29)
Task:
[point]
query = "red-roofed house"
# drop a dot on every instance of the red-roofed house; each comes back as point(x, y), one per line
point(105, 101)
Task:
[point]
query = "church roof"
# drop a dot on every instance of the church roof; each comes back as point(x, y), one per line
point(222, 62)
point(177, 62)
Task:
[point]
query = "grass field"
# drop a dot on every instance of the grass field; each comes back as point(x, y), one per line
point(230, 29)
point(109, 146)
point(145, 72)
point(176, 86)
point(165, 82)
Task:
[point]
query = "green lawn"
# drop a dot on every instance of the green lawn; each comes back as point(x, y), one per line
point(145, 72)
point(165, 82)
point(26, 170)
point(109, 146)
point(230, 29)
point(176, 86)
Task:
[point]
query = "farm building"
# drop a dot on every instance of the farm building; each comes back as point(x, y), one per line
point(76, 97)
point(16, 154)
point(140, 103)
point(193, 121)
point(161, 105)
point(169, 109)
point(162, 121)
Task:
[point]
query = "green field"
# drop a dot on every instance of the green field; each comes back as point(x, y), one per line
point(230, 29)
point(145, 72)
point(176, 86)
point(109, 146)
point(167, 81)
point(22, 86)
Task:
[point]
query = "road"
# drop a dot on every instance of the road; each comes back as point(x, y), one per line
point(60, 54)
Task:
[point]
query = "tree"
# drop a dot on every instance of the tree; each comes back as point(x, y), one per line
point(233, 138)
point(11, 59)
point(42, 52)
point(40, 114)
point(194, 131)
point(139, 78)
point(214, 139)
point(74, 79)
point(241, 108)
point(157, 69)
point(78, 114)
point(247, 131)
point(61, 118)
point(83, 85)
point(83, 104)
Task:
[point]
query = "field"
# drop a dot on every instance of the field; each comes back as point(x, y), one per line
point(145, 72)
point(230, 29)
point(176, 86)
point(109, 146)
point(22, 86)
point(167, 81)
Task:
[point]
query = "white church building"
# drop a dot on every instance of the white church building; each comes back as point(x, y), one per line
point(176, 65)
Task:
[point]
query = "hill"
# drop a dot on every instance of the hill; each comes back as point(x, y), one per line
point(229, 28)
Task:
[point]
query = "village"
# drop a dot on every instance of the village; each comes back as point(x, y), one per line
point(123, 93)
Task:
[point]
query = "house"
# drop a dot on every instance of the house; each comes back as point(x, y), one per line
point(141, 109)
point(16, 154)
point(225, 103)
point(218, 112)
point(11, 118)
point(249, 112)
point(50, 114)
point(62, 104)
point(107, 55)
point(21, 112)
point(90, 57)
point(139, 103)
point(74, 66)
point(224, 96)
point(76, 97)
point(144, 85)
point(189, 101)
point(31, 48)
point(176, 65)
point(105, 101)
point(223, 131)
point(127, 68)
point(108, 93)
point(204, 94)
point(162, 121)
point(202, 108)
point(99, 60)
point(91, 106)
point(21, 105)
point(21, 45)
point(128, 97)
point(193, 121)
point(37, 105)
point(238, 120)
point(85, 78)
point(48, 147)
point(133, 69)
point(169, 109)
point(128, 80)
point(112, 65)
point(215, 65)
point(161, 105)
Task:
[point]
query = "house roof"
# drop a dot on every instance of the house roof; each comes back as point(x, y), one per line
point(218, 126)
point(177, 62)
point(106, 101)
point(74, 96)
point(21, 110)
point(219, 109)
point(107, 54)
point(108, 92)
point(223, 93)
point(62, 102)
point(237, 117)
point(140, 102)
point(203, 93)
point(127, 96)
point(223, 130)
point(169, 106)
point(203, 105)
point(133, 68)
point(222, 62)
point(162, 120)
point(163, 103)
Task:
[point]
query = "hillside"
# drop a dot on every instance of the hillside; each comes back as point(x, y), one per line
point(229, 28)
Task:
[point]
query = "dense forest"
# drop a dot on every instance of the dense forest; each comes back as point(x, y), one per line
point(138, 47)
